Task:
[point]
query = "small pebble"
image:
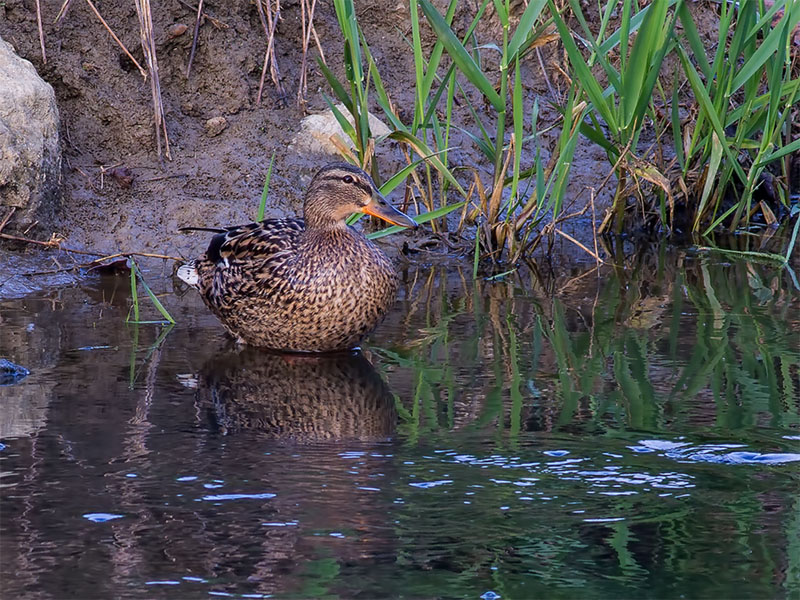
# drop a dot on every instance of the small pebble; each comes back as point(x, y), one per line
point(215, 125)
point(177, 29)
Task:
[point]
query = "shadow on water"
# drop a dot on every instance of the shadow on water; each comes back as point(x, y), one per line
point(631, 430)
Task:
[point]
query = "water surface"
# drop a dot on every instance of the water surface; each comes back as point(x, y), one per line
point(632, 431)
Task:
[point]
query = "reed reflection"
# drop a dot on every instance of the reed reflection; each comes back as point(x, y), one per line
point(334, 396)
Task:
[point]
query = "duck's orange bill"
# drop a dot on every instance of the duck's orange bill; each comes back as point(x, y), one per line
point(380, 208)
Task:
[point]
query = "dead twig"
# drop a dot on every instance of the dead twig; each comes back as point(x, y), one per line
point(594, 255)
point(116, 39)
point(62, 12)
point(149, 49)
point(308, 27)
point(41, 31)
point(269, 56)
point(594, 224)
point(194, 37)
point(88, 178)
point(55, 243)
point(103, 170)
point(31, 226)
point(214, 21)
point(7, 218)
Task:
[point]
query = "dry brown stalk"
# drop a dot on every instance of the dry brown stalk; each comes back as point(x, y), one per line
point(214, 21)
point(7, 218)
point(308, 28)
point(116, 39)
point(41, 31)
point(55, 242)
point(194, 37)
point(594, 224)
point(581, 246)
point(149, 49)
point(62, 12)
point(269, 56)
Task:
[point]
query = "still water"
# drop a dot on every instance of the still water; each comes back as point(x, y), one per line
point(632, 431)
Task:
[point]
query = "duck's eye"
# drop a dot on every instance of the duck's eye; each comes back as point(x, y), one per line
point(348, 179)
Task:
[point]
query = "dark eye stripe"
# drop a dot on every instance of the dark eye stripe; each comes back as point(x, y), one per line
point(359, 183)
point(356, 181)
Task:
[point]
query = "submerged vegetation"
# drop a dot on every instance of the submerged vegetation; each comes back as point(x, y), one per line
point(718, 126)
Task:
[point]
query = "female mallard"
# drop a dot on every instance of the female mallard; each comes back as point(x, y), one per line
point(303, 285)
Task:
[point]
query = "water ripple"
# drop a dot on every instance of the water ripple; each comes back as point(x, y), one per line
point(265, 496)
point(717, 453)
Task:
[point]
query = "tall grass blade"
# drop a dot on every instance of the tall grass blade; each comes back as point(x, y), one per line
point(526, 21)
point(460, 55)
point(136, 274)
point(423, 218)
point(263, 204)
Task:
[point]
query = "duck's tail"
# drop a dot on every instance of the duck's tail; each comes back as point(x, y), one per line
point(188, 274)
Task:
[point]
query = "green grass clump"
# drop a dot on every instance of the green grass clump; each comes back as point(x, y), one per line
point(744, 98)
point(737, 126)
point(136, 275)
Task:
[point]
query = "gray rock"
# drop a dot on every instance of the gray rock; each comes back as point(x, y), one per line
point(317, 130)
point(30, 158)
point(216, 125)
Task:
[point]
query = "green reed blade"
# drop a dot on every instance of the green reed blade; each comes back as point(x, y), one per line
point(517, 114)
point(767, 49)
point(437, 96)
point(582, 71)
point(134, 294)
point(344, 123)
point(460, 55)
point(695, 43)
point(420, 219)
point(707, 107)
point(137, 274)
point(422, 149)
point(526, 21)
point(643, 64)
point(263, 204)
point(336, 86)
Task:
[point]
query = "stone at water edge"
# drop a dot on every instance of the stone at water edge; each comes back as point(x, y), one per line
point(30, 157)
point(316, 131)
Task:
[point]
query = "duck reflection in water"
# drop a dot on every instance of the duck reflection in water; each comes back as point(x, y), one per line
point(300, 397)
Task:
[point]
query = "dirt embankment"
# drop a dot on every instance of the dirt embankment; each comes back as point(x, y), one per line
point(119, 195)
point(213, 177)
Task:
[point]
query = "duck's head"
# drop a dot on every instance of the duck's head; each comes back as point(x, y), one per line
point(339, 190)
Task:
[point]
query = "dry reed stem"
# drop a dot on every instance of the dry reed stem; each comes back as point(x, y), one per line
point(149, 49)
point(41, 31)
point(194, 37)
point(116, 39)
point(594, 255)
point(214, 21)
point(308, 28)
point(269, 56)
point(62, 12)
point(55, 242)
point(7, 218)
point(594, 223)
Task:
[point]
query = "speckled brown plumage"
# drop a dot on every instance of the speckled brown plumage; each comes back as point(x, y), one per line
point(311, 285)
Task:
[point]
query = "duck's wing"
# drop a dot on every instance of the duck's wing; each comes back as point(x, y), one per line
point(254, 241)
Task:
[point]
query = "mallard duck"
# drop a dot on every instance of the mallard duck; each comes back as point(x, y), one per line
point(303, 285)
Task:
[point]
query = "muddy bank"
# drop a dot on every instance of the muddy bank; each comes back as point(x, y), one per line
point(118, 194)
